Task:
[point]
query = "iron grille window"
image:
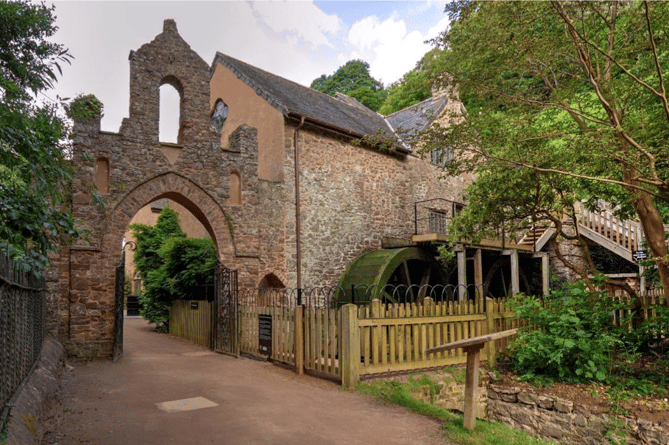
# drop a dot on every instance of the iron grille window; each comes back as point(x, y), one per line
point(437, 221)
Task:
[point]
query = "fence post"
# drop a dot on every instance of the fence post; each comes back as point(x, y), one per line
point(299, 339)
point(490, 322)
point(350, 347)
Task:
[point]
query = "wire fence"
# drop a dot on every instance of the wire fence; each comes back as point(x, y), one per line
point(335, 296)
point(22, 328)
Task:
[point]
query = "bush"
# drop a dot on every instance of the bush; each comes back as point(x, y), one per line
point(172, 266)
point(570, 335)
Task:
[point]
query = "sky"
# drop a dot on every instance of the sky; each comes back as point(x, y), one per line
point(298, 40)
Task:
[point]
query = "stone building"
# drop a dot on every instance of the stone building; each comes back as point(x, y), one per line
point(277, 174)
point(273, 171)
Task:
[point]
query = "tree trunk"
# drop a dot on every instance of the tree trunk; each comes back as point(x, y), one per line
point(653, 229)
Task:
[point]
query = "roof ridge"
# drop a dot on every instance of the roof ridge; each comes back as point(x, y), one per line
point(415, 105)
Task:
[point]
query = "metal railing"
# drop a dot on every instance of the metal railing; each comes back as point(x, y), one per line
point(22, 329)
point(433, 215)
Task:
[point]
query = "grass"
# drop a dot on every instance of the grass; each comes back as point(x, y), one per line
point(485, 433)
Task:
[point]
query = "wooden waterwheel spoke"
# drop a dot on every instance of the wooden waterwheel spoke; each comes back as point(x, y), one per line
point(424, 281)
point(388, 297)
point(406, 277)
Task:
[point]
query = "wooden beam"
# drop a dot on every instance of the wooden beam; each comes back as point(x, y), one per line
point(478, 272)
point(475, 341)
point(472, 346)
point(515, 272)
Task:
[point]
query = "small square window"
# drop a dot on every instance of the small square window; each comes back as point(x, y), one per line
point(441, 155)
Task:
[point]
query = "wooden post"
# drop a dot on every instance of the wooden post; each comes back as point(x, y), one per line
point(472, 346)
point(545, 274)
point(299, 340)
point(471, 385)
point(350, 345)
point(490, 323)
point(478, 273)
point(515, 271)
point(462, 274)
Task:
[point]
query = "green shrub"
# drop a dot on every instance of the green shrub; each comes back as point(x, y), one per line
point(570, 335)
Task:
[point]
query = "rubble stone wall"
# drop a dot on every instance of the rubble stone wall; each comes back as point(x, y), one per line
point(564, 422)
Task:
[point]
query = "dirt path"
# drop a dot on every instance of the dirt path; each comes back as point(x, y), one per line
point(250, 402)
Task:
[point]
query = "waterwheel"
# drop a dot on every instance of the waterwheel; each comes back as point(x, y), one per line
point(392, 275)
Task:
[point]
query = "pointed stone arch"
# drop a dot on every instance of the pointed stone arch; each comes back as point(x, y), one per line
point(182, 190)
point(91, 300)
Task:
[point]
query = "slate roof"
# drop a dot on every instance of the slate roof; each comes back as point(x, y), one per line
point(295, 100)
point(408, 122)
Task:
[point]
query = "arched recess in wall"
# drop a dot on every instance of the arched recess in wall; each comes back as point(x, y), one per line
point(171, 110)
point(101, 178)
point(235, 188)
point(271, 281)
point(270, 293)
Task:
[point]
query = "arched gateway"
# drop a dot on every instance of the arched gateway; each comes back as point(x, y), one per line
point(133, 168)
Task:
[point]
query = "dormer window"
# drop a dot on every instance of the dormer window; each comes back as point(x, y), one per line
point(219, 116)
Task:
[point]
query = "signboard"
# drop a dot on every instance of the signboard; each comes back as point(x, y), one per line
point(265, 334)
point(194, 305)
point(638, 255)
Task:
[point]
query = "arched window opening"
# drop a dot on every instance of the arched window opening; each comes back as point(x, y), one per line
point(219, 115)
point(170, 113)
point(235, 188)
point(101, 178)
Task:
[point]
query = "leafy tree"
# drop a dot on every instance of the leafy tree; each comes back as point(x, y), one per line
point(34, 172)
point(353, 79)
point(171, 266)
point(567, 102)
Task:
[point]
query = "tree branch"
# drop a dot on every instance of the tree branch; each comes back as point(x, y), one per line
point(663, 95)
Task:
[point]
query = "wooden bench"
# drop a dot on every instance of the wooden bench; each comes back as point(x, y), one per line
point(472, 346)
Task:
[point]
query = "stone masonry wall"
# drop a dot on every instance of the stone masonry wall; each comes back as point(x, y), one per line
point(565, 422)
point(194, 173)
point(353, 196)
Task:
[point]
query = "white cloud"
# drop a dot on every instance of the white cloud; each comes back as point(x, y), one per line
point(297, 20)
point(388, 47)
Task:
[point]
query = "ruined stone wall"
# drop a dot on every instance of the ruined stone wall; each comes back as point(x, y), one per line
point(195, 173)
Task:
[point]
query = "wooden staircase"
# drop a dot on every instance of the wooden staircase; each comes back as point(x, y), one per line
point(607, 230)
point(603, 228)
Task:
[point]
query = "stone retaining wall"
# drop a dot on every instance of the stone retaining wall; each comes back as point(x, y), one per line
point(38, 408)
point(562, 421)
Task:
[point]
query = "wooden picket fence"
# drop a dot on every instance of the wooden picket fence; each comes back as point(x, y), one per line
point(648, 304)
point(389, 338)
point(321, 345)
point(193, 320)
point(395, 337)
point(354, 341)
point(283, 331)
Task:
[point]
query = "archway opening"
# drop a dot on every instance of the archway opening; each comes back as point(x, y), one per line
point(170, 266)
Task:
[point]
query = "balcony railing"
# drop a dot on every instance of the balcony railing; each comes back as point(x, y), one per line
point(433, 215)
